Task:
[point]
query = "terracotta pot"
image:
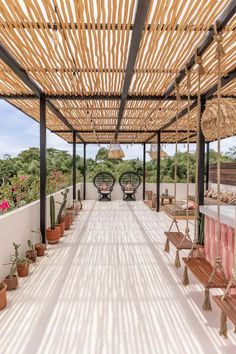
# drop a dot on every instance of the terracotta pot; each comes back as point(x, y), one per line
point(67, 220)
point(12, 283)
point(62, 228)
point(40, 249)
point(32, 255)
point(53, 236)
point(3, 297)
point(77, 208)
point(71, 212)
point(23, 269)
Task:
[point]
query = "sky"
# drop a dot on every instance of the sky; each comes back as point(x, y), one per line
point(19, 132)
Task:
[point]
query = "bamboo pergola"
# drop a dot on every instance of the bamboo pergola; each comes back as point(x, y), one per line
point(102, 71)
point(107, 68)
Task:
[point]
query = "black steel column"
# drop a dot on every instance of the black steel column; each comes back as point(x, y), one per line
point(201, 159)
point(74, 165)
point(158, 180)
point(207, 164)
point(84, 184)
point(144, 170)
point(43, 168)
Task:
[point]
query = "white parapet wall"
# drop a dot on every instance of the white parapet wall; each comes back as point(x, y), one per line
point(16, 226)
point(91, 191)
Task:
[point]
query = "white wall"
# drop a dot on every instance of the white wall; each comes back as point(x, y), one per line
point(16, 226)
point(91, 191)
point(223, 187)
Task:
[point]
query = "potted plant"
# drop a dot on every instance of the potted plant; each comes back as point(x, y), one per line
point(39, 246)
point(3, 295)
point(12, 280)
point(22, 264)
point(53, 233)
point(62, 215)
point(31, 253)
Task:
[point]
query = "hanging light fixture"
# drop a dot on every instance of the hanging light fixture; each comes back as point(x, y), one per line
point(115, 151)
point(153, 152)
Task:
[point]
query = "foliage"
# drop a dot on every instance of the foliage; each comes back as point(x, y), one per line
point(19, 176)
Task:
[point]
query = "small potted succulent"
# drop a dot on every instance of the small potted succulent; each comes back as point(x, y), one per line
point(12, 280)
point(53, 233)
point(31, 253)
point(3, 295)
point(22, 264)
point(39, 246)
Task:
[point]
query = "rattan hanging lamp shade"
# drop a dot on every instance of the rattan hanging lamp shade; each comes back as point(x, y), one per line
point(227, 118)
point(153, 152)
point(115, 151)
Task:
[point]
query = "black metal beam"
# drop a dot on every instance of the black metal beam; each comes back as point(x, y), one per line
point(43, 169)
point(144, 170)
point(18, 97)
point(118, 98)
point(139, 22)
point(97, 26)
point(122, 131)
point(158, 176)
point(207, 164)
point(74, 165)
point(84, 175)
point(221, 22)
point(201, 159)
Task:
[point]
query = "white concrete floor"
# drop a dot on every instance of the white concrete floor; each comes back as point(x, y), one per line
point(108, 288)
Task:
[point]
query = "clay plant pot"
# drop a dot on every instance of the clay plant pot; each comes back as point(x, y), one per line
point(67, 221)
point(32, 255)
point(12, 283)
point(40, 249)
point(22, 269)
point(3, 297)
point(53, 235)
point(62, 228)
point(71, 212)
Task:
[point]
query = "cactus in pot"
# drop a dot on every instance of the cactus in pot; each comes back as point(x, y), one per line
point(22, 264)
point(39, 246)
point(53, 233)
point(62, 216)
point(31, 253)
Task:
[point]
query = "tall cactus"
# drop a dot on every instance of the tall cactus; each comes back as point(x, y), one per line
point(63, 205)
point(52, 212)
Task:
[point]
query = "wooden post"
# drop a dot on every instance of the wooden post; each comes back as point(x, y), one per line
point(158, 180)
point(43, 169)
point(84, 184)
point(74, 165)
point(144, 170)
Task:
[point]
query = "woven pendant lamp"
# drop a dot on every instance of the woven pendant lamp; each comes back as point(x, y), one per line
point(227, 118)
point(153, 152)
point(115, 151)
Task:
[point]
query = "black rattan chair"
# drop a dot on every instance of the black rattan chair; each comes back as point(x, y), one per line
point(104, 182)
point(129, 182)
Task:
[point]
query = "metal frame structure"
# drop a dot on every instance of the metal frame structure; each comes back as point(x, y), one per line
point(45, 100)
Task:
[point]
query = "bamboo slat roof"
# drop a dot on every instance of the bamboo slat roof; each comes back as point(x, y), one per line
point(76, 52)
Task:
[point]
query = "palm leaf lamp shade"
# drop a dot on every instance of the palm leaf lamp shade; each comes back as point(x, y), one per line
point(115, 151)
point(153, 152)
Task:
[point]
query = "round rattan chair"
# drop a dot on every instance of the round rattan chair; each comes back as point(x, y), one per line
point(104, 182)
point(129, 182)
